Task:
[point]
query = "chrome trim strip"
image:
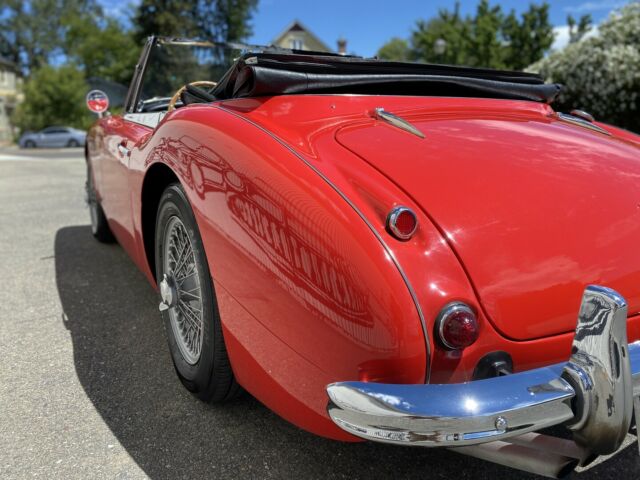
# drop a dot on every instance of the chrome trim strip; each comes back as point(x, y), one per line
point(388, 250)
point(582, 114)
point(151, 120)
point(592, 394)
point(381, 114)
point(392, 219)
point(574, 120)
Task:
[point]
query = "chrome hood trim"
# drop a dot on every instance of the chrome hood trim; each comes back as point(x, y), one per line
point(398, 122)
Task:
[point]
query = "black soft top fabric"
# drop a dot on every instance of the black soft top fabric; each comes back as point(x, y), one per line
point(267, 74)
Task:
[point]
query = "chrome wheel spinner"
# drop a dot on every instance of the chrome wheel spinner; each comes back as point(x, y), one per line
point(168, 293)
point(180, 290)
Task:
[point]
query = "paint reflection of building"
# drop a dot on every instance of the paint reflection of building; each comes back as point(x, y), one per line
point(307, 265)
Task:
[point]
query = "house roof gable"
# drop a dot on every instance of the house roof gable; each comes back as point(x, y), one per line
point(298, 26)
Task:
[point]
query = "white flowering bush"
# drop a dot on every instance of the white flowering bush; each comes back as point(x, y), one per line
point(601, 74)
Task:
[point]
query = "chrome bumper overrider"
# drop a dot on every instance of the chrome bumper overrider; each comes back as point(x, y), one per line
point(593, 394)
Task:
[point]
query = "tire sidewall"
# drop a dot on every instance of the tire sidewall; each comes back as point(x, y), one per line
point(92, 201)
point(99, 224)
point(195, 377)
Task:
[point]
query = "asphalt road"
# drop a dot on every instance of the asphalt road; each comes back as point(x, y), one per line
point(87, 388)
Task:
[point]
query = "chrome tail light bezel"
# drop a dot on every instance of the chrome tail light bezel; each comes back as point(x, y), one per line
point(392, 219)
point(446, 313)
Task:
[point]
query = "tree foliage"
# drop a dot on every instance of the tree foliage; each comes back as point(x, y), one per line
point(529, 39)
point(33, 32)
point(77, 36)
point(448, 26)
point(53, 96)
point(486, 46)
point(395, 49)
point(216, 20)
point(101, 48)
point(487, 39)
point(601, 74)
point(578, 29)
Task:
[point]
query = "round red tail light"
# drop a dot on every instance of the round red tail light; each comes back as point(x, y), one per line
point(457, 326)
point(402, 223)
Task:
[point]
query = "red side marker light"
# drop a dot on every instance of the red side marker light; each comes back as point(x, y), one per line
point(457, 326)
point(402, 223)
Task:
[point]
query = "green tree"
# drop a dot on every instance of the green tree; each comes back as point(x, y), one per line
point(486, 39)
point(527, 40)
point(395, 49)
point(443, 39)
point(578, 29)
point(486, 46)
point(601, 74)
point(32, 32)
point(53, 96)
point(217, 20)
point(227, 20)
point(101, 47)
point(213, 20)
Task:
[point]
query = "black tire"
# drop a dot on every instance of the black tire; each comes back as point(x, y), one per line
point(73, 143)
point(29, 144)
point(99, 225)
point(210, 378)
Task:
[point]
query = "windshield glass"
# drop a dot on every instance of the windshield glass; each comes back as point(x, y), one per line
point(173, 64)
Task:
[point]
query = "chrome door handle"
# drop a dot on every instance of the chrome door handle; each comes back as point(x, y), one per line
point(124, 151)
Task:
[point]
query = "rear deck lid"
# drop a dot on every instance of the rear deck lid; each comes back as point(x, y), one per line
point(535, 208)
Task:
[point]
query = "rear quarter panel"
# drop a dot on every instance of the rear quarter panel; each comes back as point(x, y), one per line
point(306, 292)
point(309, 124)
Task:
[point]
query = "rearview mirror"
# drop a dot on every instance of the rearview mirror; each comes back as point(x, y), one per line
point(97, 102)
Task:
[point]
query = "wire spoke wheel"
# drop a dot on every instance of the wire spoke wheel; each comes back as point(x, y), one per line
point(185, 296)
point(188, 302)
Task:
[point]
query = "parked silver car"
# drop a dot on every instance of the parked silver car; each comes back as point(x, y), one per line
point(53, 137)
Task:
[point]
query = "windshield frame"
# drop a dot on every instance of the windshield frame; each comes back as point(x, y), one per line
point(134, 94)
point(135, 88)
point(136, 82)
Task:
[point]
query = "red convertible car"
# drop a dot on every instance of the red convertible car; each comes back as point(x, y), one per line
point(405, 253)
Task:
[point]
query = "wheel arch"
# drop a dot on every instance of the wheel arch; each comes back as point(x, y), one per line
point(157, 178)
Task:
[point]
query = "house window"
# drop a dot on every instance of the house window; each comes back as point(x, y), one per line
point(296, 44)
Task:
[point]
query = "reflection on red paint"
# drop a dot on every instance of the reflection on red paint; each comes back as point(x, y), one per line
point(310, 296)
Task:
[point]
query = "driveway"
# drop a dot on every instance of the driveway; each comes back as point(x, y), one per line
point(87, 388)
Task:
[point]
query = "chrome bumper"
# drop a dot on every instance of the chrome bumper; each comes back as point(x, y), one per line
point(593, 394)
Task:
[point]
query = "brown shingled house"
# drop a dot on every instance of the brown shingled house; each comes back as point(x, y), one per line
point(298, 37)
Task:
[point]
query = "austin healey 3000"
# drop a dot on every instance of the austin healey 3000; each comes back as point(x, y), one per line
point(405, 253)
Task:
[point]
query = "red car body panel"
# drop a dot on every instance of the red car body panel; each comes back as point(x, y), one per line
point(496, 193)
point(291, 195)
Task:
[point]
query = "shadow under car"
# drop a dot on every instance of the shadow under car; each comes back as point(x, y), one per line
point(123, 364)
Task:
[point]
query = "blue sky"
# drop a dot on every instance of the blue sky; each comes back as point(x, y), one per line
point(367, 24)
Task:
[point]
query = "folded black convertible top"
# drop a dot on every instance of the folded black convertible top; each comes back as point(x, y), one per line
point(262, 74)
